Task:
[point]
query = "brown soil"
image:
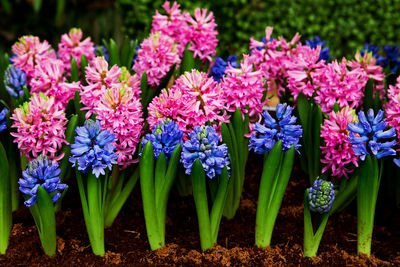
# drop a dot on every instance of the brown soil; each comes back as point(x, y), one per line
point(126, 240)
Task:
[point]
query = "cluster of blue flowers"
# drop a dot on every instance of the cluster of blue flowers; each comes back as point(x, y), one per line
point(316, 41)
point(164, 138)
point(14, 81)
point(321, 196)
point(265, 136)
point(41, 172)
point(219, 67)
point(392, 54)
point(203, 145)
point(3, 119)
point(93, 148)
point(369, 134)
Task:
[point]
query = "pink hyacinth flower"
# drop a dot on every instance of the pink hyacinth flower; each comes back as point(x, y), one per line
point(392, 107)
point(30, 52)
point(156, 56)
point(120, 112)
point(40, 126)
point(50, 81)
point(99, 78)
point(203, 34)
point(338, 84)
point(192, 101)
point(71, 45)
point(243, 88)
point(338, 154)
point(174, 25)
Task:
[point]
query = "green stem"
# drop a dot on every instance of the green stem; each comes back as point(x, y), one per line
point(218, 205)
point(271, 166)
point(200, 199)
point(346, 193)
point(367, 193)
point(277, 194)
point(183, 183)
point(47, 221)
point(5, 202)
point(146, 165)
point(311, 240)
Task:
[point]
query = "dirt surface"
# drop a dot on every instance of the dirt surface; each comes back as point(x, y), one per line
point(126, 241)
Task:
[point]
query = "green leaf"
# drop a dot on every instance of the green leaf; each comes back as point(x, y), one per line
point(74, 70)
point(114, 55)
point(368, 95)
point(37, 5)
point(187, 61)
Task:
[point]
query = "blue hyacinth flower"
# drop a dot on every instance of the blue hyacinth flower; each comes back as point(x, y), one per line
point(164, 138)
point(283, 128)
point(219, 67)
point(366, 136)
point(93, 148)
point(321, 196)
point(41, 172)
point(3, 119)
point(203, 145)
point(14, 81)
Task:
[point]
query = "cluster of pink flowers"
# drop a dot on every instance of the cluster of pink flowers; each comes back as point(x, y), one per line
point(272, 58)
point(303, 71)
point(192, 101)
point(243, 88)
point(156, 56)
point(120, 112)
point(373, 71)
point(29, 53)
point(174, 24)
point(50, 81)
point(71, 45)
point(40, 125)
point(338, 84)
point(199, 31)
point(338, 154)
point(392, 107)
point(99, 79)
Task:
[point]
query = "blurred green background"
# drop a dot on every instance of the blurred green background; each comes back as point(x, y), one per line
point(345, 24)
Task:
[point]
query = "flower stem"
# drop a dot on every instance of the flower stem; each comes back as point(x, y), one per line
point(367, 193)
point(5, 202)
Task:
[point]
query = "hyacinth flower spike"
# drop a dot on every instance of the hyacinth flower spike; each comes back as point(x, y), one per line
point(162, 147)
point(277, 140)
point(201, 157)
point(371, 141)
point(93, 155)
point(318, 201)
point(41, 188)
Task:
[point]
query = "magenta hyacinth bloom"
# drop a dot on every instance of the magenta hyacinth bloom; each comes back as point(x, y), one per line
point(99, 78)
point(174, 25)
point(392, 107)
point(30, 52)
point(50, 81)
point(72, 45)
point(194, 100)
point(337, 152)
point(156, 56)
point(243, 88)
point(40, 125)
point(120, 112)
point(203, 34)
point(302, 71)
point(338, 84)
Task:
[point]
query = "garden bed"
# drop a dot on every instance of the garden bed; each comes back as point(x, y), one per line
point(126, 241)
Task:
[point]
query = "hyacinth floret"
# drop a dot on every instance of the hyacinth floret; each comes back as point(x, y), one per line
point(321, 196)
point(3, 119)
point(219, 67)
point(316, 41)
point(164, 138)
point(380, 60)
point(93, 148)
point(283, 128)
point(365, 136)
point(41, 172)
point(203, 145)
point(392, 55)
point(14, 81)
